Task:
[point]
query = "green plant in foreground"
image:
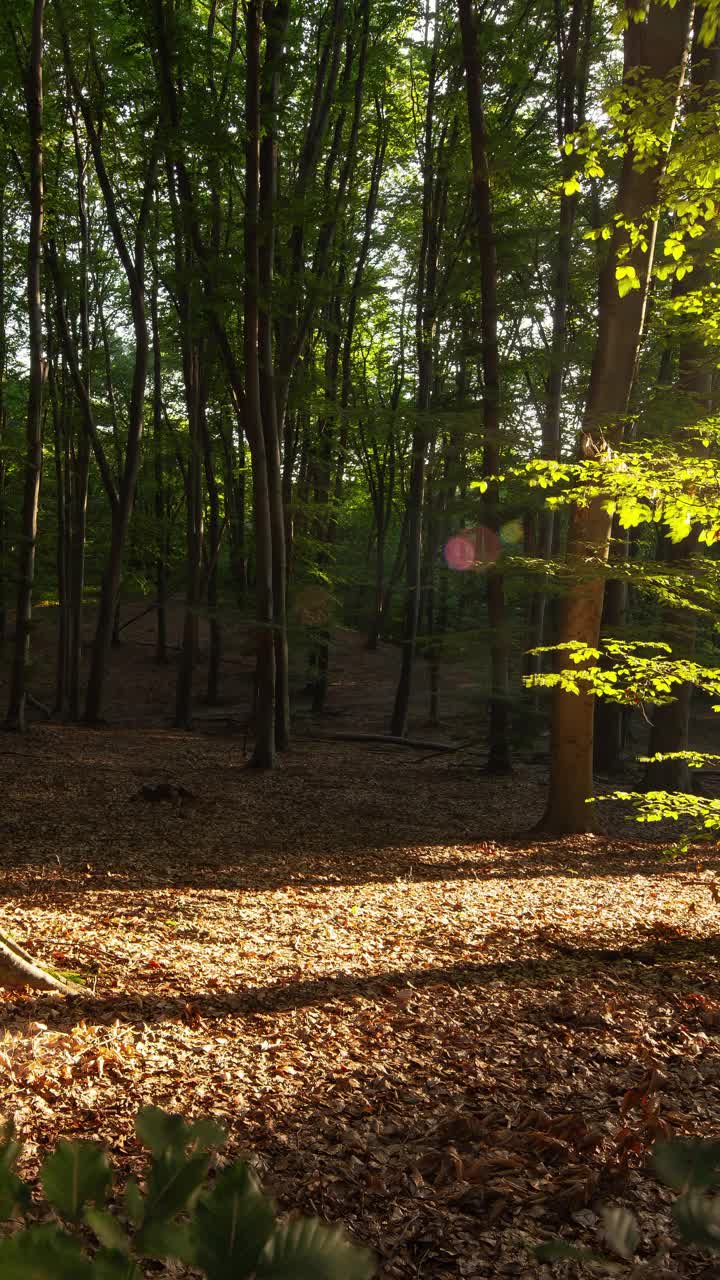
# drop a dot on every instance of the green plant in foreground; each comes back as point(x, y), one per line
point(223, 1227)
point(691, 1166)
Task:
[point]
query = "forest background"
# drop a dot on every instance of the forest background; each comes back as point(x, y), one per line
point(365, 319)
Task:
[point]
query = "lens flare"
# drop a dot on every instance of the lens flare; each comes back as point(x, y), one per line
point(476, 549)
point(511, 533)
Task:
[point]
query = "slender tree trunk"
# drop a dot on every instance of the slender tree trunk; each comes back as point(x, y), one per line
point(214, 536)
point(658, 43)
point(133, 263)
point(37, 376)
point(276, 21)
point(3, 405)
point(498, 743)
point(159, 481)
point(573, 70)
point(265, 719)
point(58, 409)
point(424, 325)
point(79, 461)
point(234, 470)
point(195, 392)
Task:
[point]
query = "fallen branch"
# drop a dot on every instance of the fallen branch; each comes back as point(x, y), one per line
point(386, 739)
point(138, 616)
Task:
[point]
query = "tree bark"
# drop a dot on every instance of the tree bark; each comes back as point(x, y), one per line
point(424, 324)
point(498, 741)
point(133, 263)
point(38, 372)
point(671, 721)
point(18, 970)
point(658, 43)
point(265, 716)
point(573, 71)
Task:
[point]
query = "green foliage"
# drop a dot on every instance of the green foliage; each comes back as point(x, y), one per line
point(691, 1166)
point(222, 1226)
point(618, 671)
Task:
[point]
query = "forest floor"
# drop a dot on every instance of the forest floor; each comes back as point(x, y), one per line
point(414, 1017)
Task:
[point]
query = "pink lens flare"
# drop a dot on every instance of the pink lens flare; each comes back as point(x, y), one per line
point(472, 549)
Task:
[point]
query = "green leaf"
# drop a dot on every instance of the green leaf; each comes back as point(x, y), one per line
point(207, 1133)
point(167, 1240)
point(160, 1131)
point(109, 1264)
point(134, 1202)
point(173, 1182)
point(556, 1250)
point(697, 1218)
point(13, 1191)
point(688, 1164)
point(231, 1225)
point(107, 1229)
point(306, 1250)
point(43, 1253)
point(75, 1173)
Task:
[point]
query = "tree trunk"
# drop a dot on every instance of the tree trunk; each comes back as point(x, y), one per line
point(133, 263)
point(573, 71)
point(58, 403)
point(658, 44)
point(671, 721)
point(498, 742)
point(609, 716)
point(159, 480)
point(195, 393)
point(4, 161)
point(424, 326)
point(265, 718)
point(214, 536)
point(37, 375)
point(18, 970)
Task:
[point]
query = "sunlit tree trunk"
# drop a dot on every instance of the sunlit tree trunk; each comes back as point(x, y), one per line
point(657, 43)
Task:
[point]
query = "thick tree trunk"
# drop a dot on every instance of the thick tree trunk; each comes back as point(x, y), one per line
point(658, 44)
point(38, 372)
point(671, 722)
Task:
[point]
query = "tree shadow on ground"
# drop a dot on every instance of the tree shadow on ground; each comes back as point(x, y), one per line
point(658, 962)
point(242, 870)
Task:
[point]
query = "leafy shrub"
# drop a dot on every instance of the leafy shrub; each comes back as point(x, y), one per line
point(223, 1226)
point(691, 1166)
